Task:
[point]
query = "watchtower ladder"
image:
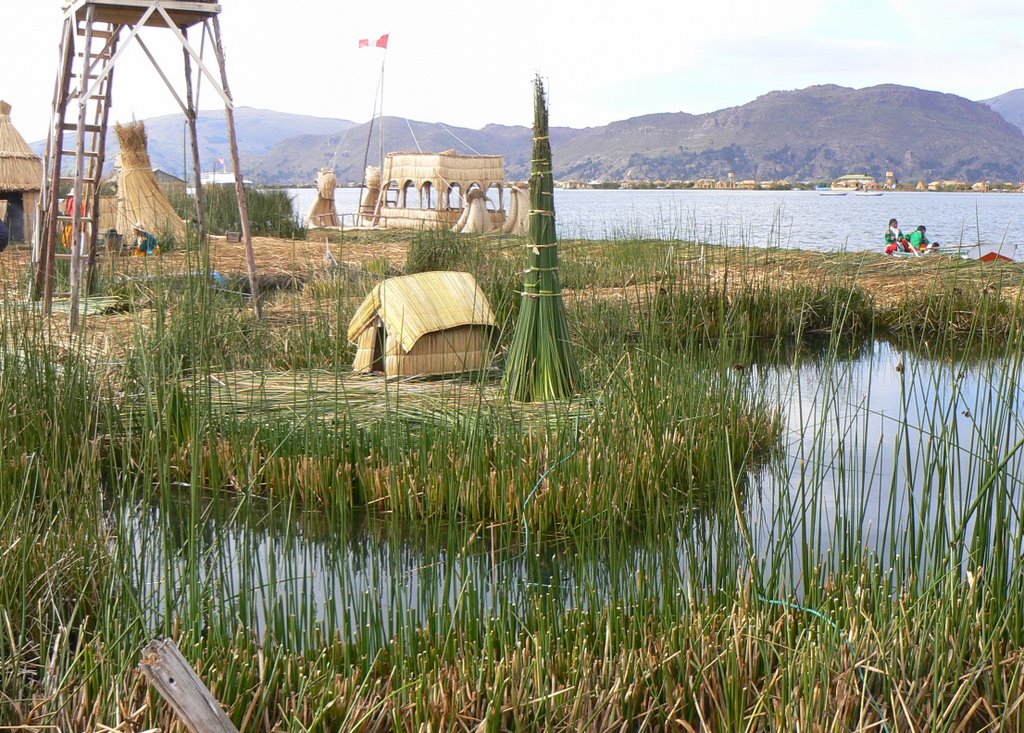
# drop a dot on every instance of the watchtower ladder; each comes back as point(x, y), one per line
point(94, 36)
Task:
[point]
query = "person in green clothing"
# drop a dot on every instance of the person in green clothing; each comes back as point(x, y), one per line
point(919, 240)
point(145, 242)
point(894, 239)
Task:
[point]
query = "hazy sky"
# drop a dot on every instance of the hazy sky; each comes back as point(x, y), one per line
point(604, 60)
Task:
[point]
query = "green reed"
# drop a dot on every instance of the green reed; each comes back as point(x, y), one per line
point(658, 553)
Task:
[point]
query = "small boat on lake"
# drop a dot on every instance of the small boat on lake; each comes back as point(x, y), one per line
point(832, 192)
point(868, 193)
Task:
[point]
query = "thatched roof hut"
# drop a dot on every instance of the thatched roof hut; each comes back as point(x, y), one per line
point(21, 175)
point(429, 323)
point(140, 200)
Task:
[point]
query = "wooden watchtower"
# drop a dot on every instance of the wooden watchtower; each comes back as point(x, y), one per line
point(95, 35)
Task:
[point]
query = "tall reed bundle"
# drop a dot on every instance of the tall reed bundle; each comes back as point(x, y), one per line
point(541, 364)
point(20, 168)
point(140, 200)
point(324, 212)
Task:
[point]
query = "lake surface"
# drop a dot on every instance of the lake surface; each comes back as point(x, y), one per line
point(859, 426)
point(798, 219)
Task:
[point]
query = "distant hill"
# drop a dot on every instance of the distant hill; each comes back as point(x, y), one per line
point(818, 133)
point(811, 134)
point(1010, 106)
point(259, 130)
point(297, 159)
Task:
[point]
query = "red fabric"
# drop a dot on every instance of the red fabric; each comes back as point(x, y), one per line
point(382, 42)
point(364, 42)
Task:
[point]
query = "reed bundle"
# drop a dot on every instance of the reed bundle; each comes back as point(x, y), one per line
point(324, 212)
point(299, 398)
point(541, 364)
point(140, 200)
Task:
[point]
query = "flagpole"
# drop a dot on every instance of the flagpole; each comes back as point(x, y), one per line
point(382, 62)
point(378, 109)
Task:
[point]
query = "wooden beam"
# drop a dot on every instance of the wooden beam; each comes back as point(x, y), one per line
point(223, 92)
point(243, 206)
point(183, 13)
point(167, 670)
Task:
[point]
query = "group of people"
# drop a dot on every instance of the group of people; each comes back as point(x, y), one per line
point(916, 243)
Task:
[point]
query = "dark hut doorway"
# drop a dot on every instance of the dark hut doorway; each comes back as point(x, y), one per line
point(15, 215)
point(379, 344)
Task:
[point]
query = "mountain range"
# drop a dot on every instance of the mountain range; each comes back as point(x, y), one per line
point(817, 133)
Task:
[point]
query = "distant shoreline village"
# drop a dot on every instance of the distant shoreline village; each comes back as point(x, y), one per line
point(849, 182)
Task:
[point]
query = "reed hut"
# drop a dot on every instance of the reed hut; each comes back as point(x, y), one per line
point(324, 212)
point(21, 176)
point(425, 324)
point(140, 200)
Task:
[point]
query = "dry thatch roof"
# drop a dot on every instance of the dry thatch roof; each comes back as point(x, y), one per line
point(20, 168)
point(140, 200)
point(415, 305)
point(445, 168)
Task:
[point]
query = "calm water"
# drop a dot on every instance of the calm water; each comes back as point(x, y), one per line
point(800, 219)
point(859, 426)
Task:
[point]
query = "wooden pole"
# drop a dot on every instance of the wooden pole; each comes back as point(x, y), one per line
point(243, 206)
point(48, 242)
point(77, 231)
point(197, 176)
point(96, 168)
point(167, 670)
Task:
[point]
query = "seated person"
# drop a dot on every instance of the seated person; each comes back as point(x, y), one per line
point(919, 241)
point(894, 239)
point(145, 242)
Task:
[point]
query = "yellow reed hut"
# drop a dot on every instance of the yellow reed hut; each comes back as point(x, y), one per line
point(426, 324)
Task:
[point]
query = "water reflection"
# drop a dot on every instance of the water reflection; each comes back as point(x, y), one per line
point(886, 452)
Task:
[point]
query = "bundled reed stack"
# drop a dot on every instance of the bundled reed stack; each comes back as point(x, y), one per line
point(21, 175)
point(140, 200)
point(324, 212)
point(474, 219)
point(368, 204)
point(518, 220)
point(541, 364)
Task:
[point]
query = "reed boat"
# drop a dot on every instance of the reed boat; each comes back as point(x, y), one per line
point(446, 190)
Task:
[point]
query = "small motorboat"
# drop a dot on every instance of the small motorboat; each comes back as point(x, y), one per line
point(868, 193)
point(833, 192)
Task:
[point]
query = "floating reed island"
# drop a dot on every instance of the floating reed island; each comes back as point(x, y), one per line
point(714, 529)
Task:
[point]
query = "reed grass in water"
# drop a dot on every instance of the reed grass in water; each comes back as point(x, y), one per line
point(664, 560)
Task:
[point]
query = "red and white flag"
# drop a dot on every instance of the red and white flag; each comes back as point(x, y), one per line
point(381, 42)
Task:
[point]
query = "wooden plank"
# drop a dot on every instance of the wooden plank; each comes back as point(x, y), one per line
point(167, 670)
point(86, 128)
point(183, 14)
